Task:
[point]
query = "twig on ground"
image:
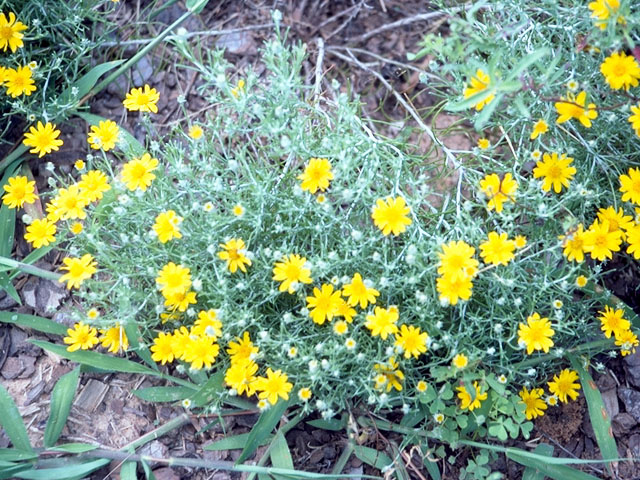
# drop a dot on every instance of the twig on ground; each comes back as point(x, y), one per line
point(344, 24)
point(318, 84)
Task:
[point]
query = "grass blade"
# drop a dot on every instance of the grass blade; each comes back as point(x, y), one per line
point(32, 321)
point(209, 390)
point(598, 415)
point(11, 421)
point(557, 472)
point(63, 473)
point(164, 394)
point(533, 473)
point(279, 452)
point(73, 448)
point(85, 83)
point(61, 400)
point(262, 429)
point(373, 457)
point(7, 286)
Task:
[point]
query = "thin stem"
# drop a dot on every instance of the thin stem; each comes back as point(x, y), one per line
point(30, 269)
point(579, 349)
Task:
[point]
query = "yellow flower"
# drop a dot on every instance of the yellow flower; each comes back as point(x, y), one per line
point(104, 136)
point(43, 139)
point(391, 215)
point(93, 184)
point(238, 89)
point(41, 233)
point(534, 404)
point(539, 128)
point(76, 228)
point(242, 349)
point(581, 281)
point(173, 279)
point(114, 339)
point(612, 321)
point(556, 171)
point(616, 218)
point(274, 386)
point(634, 119)
point(142, 99)
point(304, 394)
point(359, 293)
point(316, 175)
point(412, 341)
point(234, 254)
point(166, 226)
point(630, 186)
point(479, 83)
point(93, 313)
point(574, 107)
point(208, 324)
point(323, 305)
point(422, 386)
point(574, 245)
point(19, 82)
point(563, 385)
point(195, 132)
point(162, 348)
point(383, 322)
point(466, 402)
point(10, 35)
point(137, 172)
point(389, 375)
point(520, 241)
point(536, 334)
point(241, 376)
point(79, 164)
point(341, 327)
point(627, 341)
point(238, 210)
point(603, 10)
point(81, 337)
point(345, 311)
point(483, 143)
point(620, 71)
point(201, 352)
point(457, 259)
point(78, 270)
point(69, 203)
point(498, 191)
point(600, 242)
point(350, 343)
point(454, 287)
point(460, 360)
point(179, 301)
point(19, 191)
point(291, 272)
point(498, 249)
point(633, 239)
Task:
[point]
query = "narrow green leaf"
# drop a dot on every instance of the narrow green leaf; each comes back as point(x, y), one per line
point(333, 424)
point(130, 144)
point(279, 452)
point(64, 473)
point(133, 335)
point(209, 390)
point(7, 286)
point(557, 472)
point(263, 428)
point(196, 6)
point(61, 400)
point(32, 258)
point(529, 60)
point(73, 448)
point(32, 321)
point(14, 454)
point(11, 421)
point(164, 394)
point(233, 443)
point(85, 83)
point(532, 473)
point(468, 103)
point(598, 415)
point(128, 471)
point(487, 111)
point(11, 472)
point(95, 359)
point(370, 456)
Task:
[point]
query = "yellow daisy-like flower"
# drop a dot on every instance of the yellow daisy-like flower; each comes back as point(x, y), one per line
point(76, 228)
point(383, 322)
point(634, 118)
point(616, 218)
point(234, 253)
point(167, 226)
point(242, 349)
point(483, 143)
point(19, 190)
point(574, 245)
point(454, 287)
point(238, 210)
point(345, 311)
point(534, 404)
point(43, 139)
point(81, 337)
point(274, 386)
point(93, 313)
point(600, 241)
point(457, 259)
point(241, 376)
point(291, 272)
point(391, 215)
point(422, 386)
point(466, 402)
point(536, 334)
point(603, 10)
point(316, 175)
point(19, 81)
point(41, 233)
point(201, 352)
point(162, 348)
point(633, 239)
point(539, 128)
point(563, 385)
point(620, 71)
point(93, 184)
point(173, 278)
point(520, 241)
point(69, 203)
point(498, 191)
point(477, 84)
point(630, 186)
point(238, 89)
point(389, 375)
point(460, 361)
point(323, 304)
point(137, 172)
point(627, 341)
point(613, 321)
point(208, 323)
point(498, 249)
point(179, 301)
point(358, 293)
point(574, 107)
point(581, 281)
point(78, 270)
point(79, 164)
point(10, 35)
point(195, 132)
point(341, 327)
point(412, 341)
point(104, 136)
point(555, 171)
point(304, 394)
point(142, 99)
point(114, 339)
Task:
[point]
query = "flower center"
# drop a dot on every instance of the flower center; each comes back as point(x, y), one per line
point(554, 172)
point(143, 99)
point(6, 33)
point(620, 69)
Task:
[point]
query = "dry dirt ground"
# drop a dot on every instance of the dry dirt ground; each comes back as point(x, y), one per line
point(105, 412)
